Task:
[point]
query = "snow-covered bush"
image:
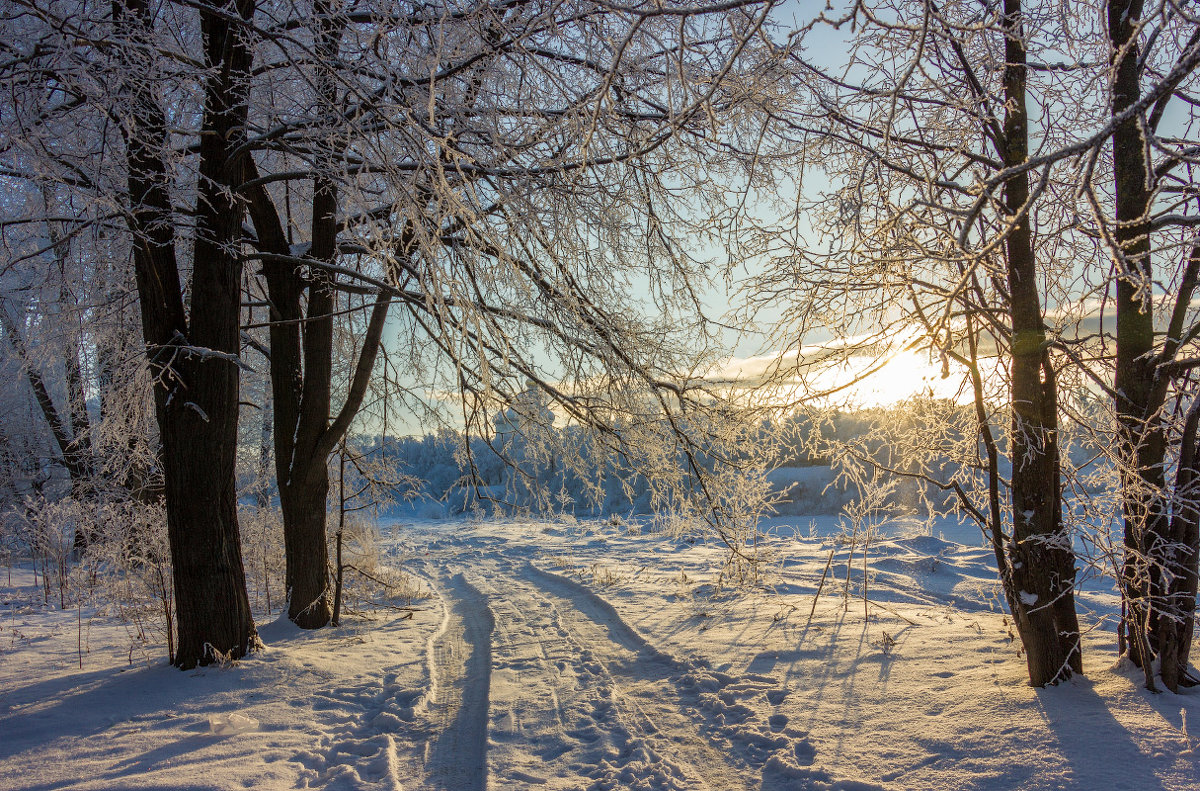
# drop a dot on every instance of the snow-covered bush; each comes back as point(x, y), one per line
point(262, 554)
point(125, 569)
point(111, 555)
point(47, 531)
point(362, 576)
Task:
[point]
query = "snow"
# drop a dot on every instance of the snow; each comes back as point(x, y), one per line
point(579, 655)
point(231, 724)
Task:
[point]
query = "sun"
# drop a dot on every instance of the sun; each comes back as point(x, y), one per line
point(864, 382)
point(854, 380)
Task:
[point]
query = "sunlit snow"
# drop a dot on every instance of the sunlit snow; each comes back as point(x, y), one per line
point(587, 655)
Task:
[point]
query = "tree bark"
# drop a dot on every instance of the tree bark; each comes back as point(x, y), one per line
point(1160, 547)
point(1043, 564)
point(196, 391)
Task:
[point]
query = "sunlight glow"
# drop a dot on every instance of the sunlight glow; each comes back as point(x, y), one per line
point(859, 380)
point(908, 374)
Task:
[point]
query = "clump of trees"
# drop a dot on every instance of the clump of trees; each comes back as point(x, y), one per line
point(429, 209)
point(484, 183)
point(1006, 187)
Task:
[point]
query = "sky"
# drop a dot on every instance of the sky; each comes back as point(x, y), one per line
point(900, 374)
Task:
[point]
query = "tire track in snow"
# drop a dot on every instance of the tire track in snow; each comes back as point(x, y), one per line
point(539, 701)
point(656, 686)
point(536, 681)
point(598, 611)
point(656, 735)
point(460, 664)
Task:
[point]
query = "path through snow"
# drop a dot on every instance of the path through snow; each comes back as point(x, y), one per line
point(573, 656)
point(535, 681)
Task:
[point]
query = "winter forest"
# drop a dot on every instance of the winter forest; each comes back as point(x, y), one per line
point(599, 394)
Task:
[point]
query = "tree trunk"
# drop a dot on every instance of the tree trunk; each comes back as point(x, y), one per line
point(310, 604)
point(81, 429)
point(1155, 564)
point(262, 494)
point(300, 414)
point(196, 378)
point(1042, 562)
point(302, 448)
point(1180, 601)
point(302, 368)
point(212, 607)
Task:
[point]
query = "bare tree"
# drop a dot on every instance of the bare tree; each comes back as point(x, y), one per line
point(70, 437)
point(497, 173)
point(500, 172)
point(194, 348)
point(1153, 198)
point(302, 304)
point(934, 239)
point(94, 116)
point(961, 212)
point(68, 322)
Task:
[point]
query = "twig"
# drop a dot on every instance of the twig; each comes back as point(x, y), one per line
point(904, 618)
point(820, 587)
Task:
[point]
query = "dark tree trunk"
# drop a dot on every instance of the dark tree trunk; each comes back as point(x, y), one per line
point(1042, 563)
point(81, 429)
point(302, 369)
point(300, 412)
point(1139, 451)
point(1176, 597)
point(1175, 640)
point(1160, 543)
point(304, 438)
point(310, 600)
point(196, 378)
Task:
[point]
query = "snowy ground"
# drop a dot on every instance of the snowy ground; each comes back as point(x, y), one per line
point(580, 656)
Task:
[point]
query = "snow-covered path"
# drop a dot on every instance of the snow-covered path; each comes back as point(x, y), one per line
point(536, 681)
point(460, 672)
point(575, 656)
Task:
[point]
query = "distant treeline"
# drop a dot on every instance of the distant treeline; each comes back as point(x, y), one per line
point(809, 473)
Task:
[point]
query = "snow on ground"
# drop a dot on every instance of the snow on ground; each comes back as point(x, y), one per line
point(566, 655)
